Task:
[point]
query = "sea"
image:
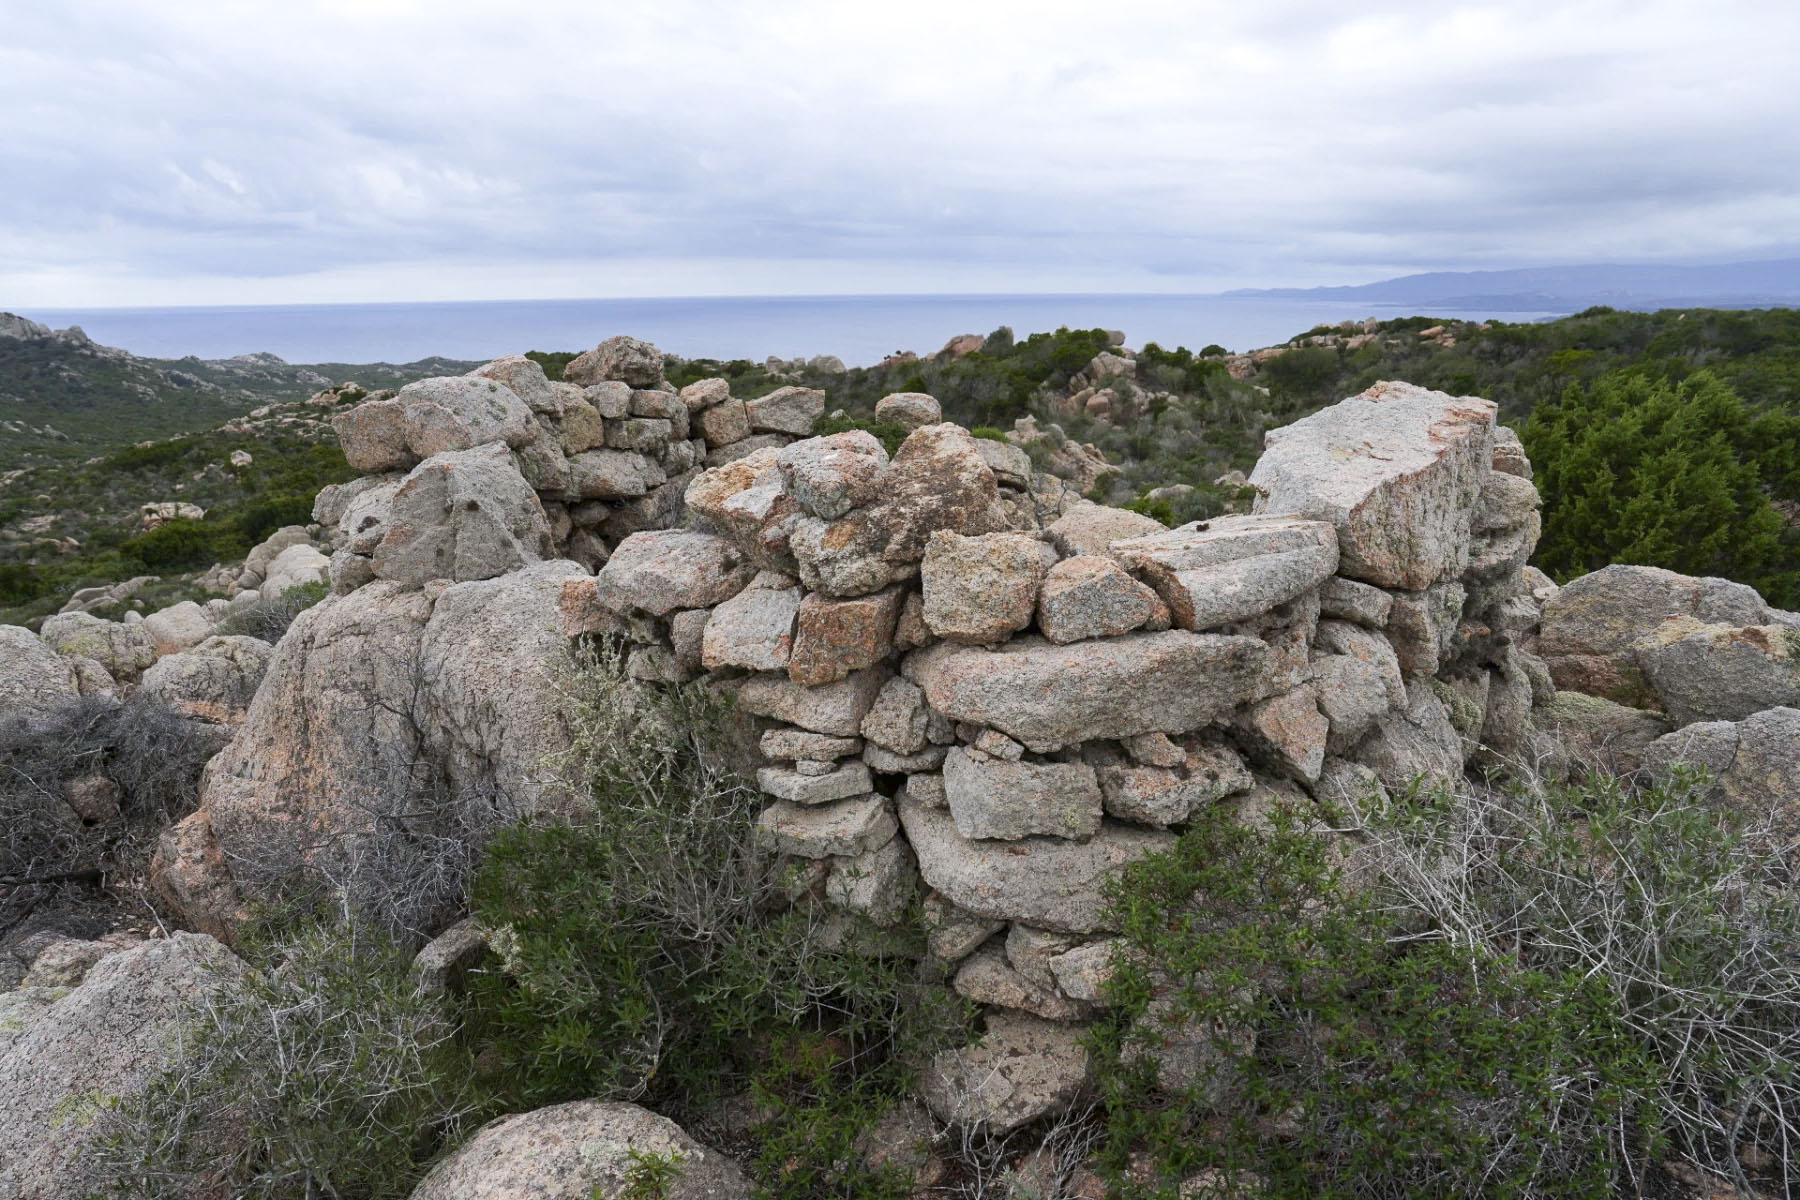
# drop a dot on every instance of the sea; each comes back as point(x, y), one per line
point(861, 330)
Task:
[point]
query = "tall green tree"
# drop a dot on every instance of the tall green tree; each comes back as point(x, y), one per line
point(1657, 472)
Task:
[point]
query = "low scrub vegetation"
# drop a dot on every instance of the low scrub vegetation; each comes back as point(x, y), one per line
point(1522, 991)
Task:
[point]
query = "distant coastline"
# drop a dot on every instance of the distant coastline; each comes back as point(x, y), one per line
point(859, 329)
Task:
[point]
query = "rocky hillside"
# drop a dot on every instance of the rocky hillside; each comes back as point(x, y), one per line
point(669, 798)
point(65, 397)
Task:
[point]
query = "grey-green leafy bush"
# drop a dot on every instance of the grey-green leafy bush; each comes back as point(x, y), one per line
point(329, 1073)
point(651, 951)
point(269, 616)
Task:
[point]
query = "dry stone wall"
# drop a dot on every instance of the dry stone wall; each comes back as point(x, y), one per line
point(977, 691)
point(972, 690)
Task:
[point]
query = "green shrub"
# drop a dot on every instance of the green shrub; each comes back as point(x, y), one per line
point(174, 545)
point(332, 1073)
point(258, 518)
point(553, 361)
point(1326, 1054)
point(890, 433)
point(1539, 991)
point(1641, 470)
point(990, 433)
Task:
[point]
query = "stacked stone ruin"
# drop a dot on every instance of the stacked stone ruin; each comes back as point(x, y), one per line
point(972, 690)
point(977, 691)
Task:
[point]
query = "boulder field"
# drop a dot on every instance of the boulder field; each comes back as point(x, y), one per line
point(969, 687)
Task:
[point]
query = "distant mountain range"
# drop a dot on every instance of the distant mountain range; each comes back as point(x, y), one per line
point(1772, 283)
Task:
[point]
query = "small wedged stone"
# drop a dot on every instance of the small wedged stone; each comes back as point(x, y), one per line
point(753, 630)
point(952, 934)
point(831, 475)
point(993, 798)
point(847, 827)
point(1349, 600)
point(795, 744)
point(1288, 733)
point(897, 721)
point(986, 977)
point(1162, 796)
point(1090, 596)
point(877, 884)
point(789, 410)
point(1047, 882)
point(983, 588)
point(612, 475)
point(1213, 573)
point(833, 708)
point(1414, 743)
point(660, 571)
point(835, 637)
point(1086, 528)
point(849, 779)
point(931, 758)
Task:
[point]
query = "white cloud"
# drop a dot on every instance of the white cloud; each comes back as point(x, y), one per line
point(330, 149)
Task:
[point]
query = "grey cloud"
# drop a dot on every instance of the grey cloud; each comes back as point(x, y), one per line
point(1205, 144)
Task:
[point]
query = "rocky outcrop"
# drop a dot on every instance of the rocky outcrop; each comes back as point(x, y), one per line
point(580, 1151)
point(1754, 764)
point(97, 1045)
point(1698, 649)
point(214, 681)
point(34, 678)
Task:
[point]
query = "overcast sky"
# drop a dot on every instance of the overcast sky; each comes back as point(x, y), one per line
point(188, 152)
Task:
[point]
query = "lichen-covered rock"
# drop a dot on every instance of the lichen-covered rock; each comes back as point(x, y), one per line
point(179, 627)
point(1049, 695)
point(1348, 600)
point(832, 638)
point(1287, 733)
point(377, 699)
point(1397, 469)
point(215, 681)
point(462, 515)
point(910, 410)
point(34, 678)
point(835, 708)
point(1086, 528)
point(1213, 573)
point(753, 630)
point(1090, 596)
point(829, 476)
point(1422, 627)
point(124, 650)
point(937, 481)
point(618, 359)
point(1592, 626)
point(1593, 733)
point(1755, 764)
point(794, 744)
point(993, 798)
point(786, 410)
point(579, 1151)
point(98, 1045)
point(1022, 1069)
point(659, 571)
point(1047, 882)
point(1356, 677)
point(1721, 672)
point(983, 588)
